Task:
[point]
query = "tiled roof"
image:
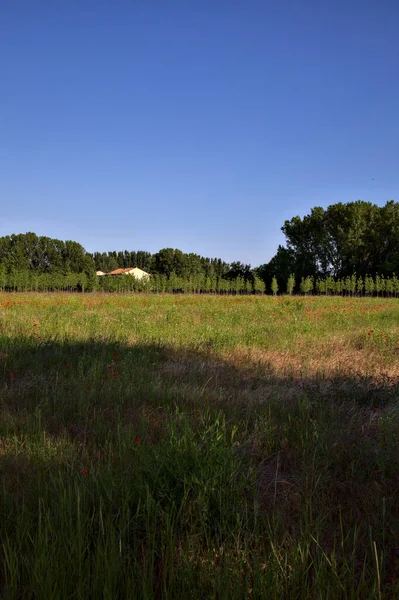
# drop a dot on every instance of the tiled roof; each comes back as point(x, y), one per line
point(117, 272)
point(127, 270)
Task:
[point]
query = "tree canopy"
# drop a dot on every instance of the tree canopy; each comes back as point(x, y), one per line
point(349, 246)
point(29, 252)
point(358, 237)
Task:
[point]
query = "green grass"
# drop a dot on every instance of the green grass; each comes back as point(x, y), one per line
point(198, 446)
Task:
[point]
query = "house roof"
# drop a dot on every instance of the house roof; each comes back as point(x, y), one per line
point(128, 270)
point(118, 271)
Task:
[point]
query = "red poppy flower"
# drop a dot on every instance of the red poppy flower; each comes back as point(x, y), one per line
point(84, 471)
point(138, 440)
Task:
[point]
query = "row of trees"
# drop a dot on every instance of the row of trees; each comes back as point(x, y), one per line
point(352, 286)
point(43, 255)
point(19, 280)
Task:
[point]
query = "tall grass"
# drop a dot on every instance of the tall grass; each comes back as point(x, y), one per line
point(204, 447)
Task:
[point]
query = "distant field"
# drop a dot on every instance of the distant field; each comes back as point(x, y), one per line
point(198, 447)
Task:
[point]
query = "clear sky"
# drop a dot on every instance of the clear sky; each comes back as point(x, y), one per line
point(195, 124)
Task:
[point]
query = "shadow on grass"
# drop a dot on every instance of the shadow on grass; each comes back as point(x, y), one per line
point(187, 451)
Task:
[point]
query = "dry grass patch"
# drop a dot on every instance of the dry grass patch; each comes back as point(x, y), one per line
point(319, 360)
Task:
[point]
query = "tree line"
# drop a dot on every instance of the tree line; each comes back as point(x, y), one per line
point(31, 262)
point(344, 249)
point(27, 281)
point(342, 240)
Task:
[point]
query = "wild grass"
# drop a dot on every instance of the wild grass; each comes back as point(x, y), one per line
point(198, 446)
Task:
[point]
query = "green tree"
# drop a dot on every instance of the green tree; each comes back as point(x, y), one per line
point(259, 285)
point(378, 285)
point(339, 286)
point(3, 277)
point(369, 286)
point(360, 286)
point(290, 283)
point(395, 282)
point(321, 286)
point(274, 286)
point(330, 285)
point(389, 286)
point(306, 285)
point(345, 238)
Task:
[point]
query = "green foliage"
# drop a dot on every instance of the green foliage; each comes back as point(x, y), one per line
point(19, 280)
point(325, 250)
point(360, 286)
point(356, 237)
point(26, 259)
point(274, 286)
point(306, 285)
point(330, 285)
point(321, 286)
point(379, 284)
point(339, 286)
point(349, 284)
point(389, 286)
point(290, 284)
point(369, 286)
point(259, 285)
point(395, 284)
point(281, 267)
point(32, 263)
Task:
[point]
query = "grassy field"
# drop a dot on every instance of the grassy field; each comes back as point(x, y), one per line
point(198, 447)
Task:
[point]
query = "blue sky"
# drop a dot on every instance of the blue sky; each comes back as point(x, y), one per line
point(199, 125)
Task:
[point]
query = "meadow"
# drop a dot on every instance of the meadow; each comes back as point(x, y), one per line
point(198, 446)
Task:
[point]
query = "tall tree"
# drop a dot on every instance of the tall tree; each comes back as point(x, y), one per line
point(358, 237)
